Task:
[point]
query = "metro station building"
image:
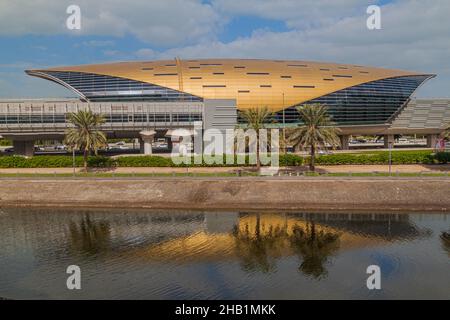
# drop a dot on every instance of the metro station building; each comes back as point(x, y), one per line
point(160, 96)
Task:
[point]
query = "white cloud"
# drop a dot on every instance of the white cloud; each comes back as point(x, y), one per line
point(159, 22)
point(295, 13)
point(415, 36)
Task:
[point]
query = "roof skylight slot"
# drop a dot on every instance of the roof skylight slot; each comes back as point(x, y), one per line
point(342, 76)
point(305, 87)
point(297, 65)
point(258, 73)
point(286, 77)
point(214, 86)
point(165, 74)
point(266, 86)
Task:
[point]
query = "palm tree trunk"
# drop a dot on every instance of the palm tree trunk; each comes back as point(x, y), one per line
point(85, 156)
point(258, 160)
point(258, 226)
point(313, 158)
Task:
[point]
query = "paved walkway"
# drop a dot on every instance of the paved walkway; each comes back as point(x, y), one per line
point(416, 168)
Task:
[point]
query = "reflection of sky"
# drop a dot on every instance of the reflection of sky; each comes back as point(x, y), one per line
point(414, 267)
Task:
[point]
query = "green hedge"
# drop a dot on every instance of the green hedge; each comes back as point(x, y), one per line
point(53, 162)
point(398, 157)
point(5, 143)
point(131, 161)
point(144, 161)
point(157, 161)
point(442, 157)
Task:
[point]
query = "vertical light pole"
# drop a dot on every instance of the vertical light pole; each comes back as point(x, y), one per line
point(284, 128)
point(390, 157)
point(73, 160)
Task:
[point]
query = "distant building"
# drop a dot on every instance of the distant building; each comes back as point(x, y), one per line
point(167, 94)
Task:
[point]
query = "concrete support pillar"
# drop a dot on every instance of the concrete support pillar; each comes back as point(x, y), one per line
point(345, 139)
point(432, 140)
point(23, 148)
point(141, 145)
point(388, 139)
point(146, 141)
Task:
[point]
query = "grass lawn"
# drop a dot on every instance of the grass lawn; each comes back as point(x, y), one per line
point(218, 174)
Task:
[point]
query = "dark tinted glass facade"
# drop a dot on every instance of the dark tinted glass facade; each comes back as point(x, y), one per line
point(97, 88)
point(369, 103)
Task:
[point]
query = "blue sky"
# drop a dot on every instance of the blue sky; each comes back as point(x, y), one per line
point(414, 36)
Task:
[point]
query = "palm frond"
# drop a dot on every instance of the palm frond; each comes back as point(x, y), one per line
point(317, 128)
point(86, 132)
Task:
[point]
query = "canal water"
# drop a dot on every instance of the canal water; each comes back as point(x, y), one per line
point(131, 254)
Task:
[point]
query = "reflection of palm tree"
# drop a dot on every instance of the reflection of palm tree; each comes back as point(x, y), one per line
point(257, 249)
point(315, 247)
point(445, 238)
point(89, 236)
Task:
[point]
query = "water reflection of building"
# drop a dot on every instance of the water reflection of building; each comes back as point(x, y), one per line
point(193, 236)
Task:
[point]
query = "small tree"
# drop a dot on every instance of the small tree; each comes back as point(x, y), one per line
point(446, 133)
point(256, 119)
point(86, 134)
point(317, 130)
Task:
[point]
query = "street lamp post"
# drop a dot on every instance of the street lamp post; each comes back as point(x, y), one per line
point(284, 129)
point(390, 157)
point(73, 160)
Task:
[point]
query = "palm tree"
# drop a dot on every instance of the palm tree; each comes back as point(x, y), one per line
point(317, 130)
point(445, 238)
point(258, 249)
point(446, 133)
point(86, 134)
point(315, 247)
point(256, 119)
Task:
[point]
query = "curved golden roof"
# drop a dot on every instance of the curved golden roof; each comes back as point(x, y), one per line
point(276, 84)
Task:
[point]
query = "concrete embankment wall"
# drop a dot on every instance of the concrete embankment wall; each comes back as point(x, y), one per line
point(232, 193)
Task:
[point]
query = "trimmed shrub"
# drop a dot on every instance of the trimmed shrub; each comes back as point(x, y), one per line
point(290, 160)
point(52, 162)
point(101, 162)
point(5, 143)
point(144, 161)
point(442, 157)
point(398, 157)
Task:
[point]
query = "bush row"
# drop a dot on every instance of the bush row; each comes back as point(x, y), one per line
point(156, 161)
point(53, 162)
point(399, 157)
point(5, 143)
point(132, 161)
